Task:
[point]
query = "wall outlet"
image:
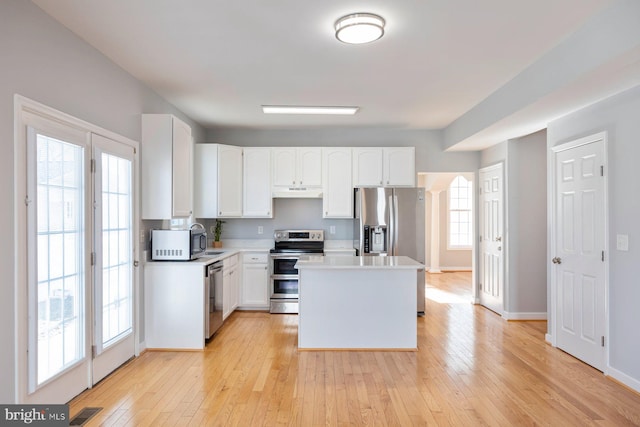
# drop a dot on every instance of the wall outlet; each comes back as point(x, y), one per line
point(622, 242)
point(212, 229)
point(332, 229)
point(260, 229)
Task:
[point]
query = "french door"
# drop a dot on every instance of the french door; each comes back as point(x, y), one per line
point(113, 338)
point(79, 273)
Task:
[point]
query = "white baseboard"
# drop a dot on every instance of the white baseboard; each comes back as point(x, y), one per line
point(624, 378)
point(444, 269)
point(548, 339)
point(524, 316)
point(141, 348)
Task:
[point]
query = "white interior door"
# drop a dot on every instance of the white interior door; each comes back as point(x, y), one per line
point(491, 287)
point(113, 337)
point(579, 261)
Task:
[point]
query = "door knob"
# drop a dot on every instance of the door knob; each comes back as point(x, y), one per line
point(499, 239)
point(499, 248)
point(557, 260)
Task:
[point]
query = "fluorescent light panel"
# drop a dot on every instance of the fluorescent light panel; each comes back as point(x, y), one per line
point(291, 109)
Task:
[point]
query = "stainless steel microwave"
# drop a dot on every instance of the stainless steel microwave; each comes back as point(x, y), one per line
point(178, 245)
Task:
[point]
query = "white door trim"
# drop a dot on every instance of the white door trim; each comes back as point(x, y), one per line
point(551, 243)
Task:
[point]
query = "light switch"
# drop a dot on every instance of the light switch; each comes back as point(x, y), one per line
point(332, 229)
point(622, 242)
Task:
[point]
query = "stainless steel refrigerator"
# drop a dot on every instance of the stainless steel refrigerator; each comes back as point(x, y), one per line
point(390, 222)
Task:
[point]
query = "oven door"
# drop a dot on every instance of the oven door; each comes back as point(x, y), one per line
point(283, 265)
point(284, 276)
point(284, 287)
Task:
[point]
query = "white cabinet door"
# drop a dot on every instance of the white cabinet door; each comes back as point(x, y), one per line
point(206, 181)
point(367, 167)
point(166, 167)
point(234, 298)
point(399, 167)
point(297, 167)
point(229, 181)
point(337, 201)
point(230, 285)
point(256, 182)
point(309, 167)
point(255, 286)
point(226, 294)
point(182, 176)
point(284, 167)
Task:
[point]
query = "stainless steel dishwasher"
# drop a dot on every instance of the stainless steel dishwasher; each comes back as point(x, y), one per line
point(213, 296)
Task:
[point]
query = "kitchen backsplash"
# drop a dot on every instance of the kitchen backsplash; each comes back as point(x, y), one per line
point(288, 214)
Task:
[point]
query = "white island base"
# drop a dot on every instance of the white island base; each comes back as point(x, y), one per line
point(357, 303)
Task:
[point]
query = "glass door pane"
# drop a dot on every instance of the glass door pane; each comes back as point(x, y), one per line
point(60, 276)
point(116, 229)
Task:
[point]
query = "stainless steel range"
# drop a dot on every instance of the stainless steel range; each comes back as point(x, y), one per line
point(289, 246)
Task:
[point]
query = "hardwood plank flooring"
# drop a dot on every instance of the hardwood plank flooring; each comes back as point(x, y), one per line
point(472, 368)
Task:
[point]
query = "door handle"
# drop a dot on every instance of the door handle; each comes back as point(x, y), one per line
point(557, 260)
point(499, 239)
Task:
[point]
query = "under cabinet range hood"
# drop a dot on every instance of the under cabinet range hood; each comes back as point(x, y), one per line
point(297, 192)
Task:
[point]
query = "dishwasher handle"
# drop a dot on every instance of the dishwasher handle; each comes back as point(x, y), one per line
point(212, 269)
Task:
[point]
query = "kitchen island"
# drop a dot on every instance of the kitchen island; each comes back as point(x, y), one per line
point(353, 302)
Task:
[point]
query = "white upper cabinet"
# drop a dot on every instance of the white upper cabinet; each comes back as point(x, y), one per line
point(297, 167)
point(257, 201)
point(218, 181)
point(388, 167)
point(229, 181)
point(166, 178)
point(399, 166)
point(337, 201)
point(367, 167)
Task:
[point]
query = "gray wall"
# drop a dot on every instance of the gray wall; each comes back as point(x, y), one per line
point(525, 221)
point(619, 117)
point(429, 154)
point(46, 62)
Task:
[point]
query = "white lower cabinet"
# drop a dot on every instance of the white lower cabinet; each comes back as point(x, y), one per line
point(174, 305)
point(230, 285)
point(254, 294)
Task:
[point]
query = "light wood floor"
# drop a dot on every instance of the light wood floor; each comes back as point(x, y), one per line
point(472, 368)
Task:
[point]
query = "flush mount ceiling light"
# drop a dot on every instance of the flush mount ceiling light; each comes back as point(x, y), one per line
point(359, 28)
point(292, 109)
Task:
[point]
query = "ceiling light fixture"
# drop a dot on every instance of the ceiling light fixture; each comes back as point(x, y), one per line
point(291, 109)
point(359, 28)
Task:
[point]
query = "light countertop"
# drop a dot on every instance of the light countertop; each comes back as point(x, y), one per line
point(357, 262)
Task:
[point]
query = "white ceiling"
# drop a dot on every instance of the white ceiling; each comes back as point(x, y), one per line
point(219, 61)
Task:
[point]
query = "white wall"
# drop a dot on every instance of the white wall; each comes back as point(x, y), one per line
point(619, 116)
point(449, 259)
point(46, 62)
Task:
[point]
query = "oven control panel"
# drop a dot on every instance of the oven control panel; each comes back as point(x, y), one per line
point(299, 235)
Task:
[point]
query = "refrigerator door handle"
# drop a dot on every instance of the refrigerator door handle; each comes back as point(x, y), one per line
point(392, 228)
point(395, 225)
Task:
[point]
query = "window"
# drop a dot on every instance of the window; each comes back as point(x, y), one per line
point(460, 218)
